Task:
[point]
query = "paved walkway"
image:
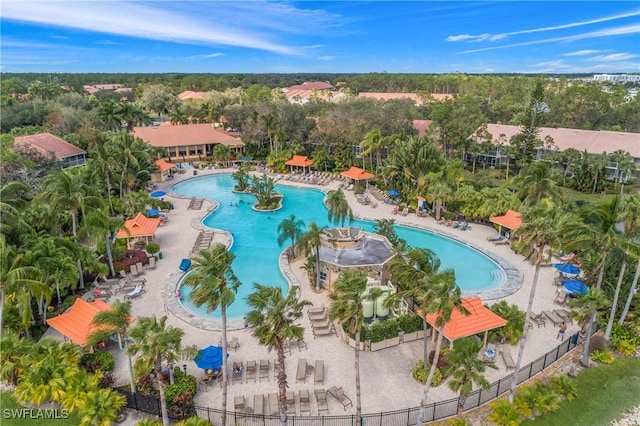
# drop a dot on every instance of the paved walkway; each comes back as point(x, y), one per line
point(386, 382)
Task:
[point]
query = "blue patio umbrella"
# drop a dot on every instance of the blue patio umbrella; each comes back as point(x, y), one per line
point(185, 264)
point(575, 286)
point(153, 213)
point(158, 194)
point(393, 192)
point(567, 268)
point(209, 358)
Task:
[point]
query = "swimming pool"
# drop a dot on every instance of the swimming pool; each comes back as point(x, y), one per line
point(255, 237)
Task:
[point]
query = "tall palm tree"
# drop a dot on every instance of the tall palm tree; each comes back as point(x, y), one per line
point(631, 217)
point(589, 304)
point(102, 165)
point(465, 368)
point(338, 207)
point(215, 286)
point(290, 229)
point(130, 153)
point(154, 343)
point(536, 182)
point(445, 298)
point(439, 193)
point(102, 228)
point(13, 350)
point(310, 243)
point(11, 203)
point(115, 320)
point(346, 307)
point(274, 320)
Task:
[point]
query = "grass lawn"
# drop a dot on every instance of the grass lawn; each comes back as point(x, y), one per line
point(12, 414)
point(604, 393)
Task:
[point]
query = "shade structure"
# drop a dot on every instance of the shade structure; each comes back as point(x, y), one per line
point(510, 220)
point(357, 173)
point(567, 268)
point(139, 228)
point(153, 213)
point(209, 358)
point(299, 161)
point(575, 286)
point(393, 192)
point(158, 194)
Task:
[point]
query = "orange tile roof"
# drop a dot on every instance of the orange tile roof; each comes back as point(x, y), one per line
point(188, 134)
point(422, 126)
point(480, 319)
point(139, 226)
point(188, 94)
point(163, 165)
point(357, 174)
point(46, 143)
point(299, 160)
point(76, 323)
point(510, 220)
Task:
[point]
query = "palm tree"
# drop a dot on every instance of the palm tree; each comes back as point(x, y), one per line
point(274, 320)
point(310, 243)
point(100, 407)
point(290, 229)
point(215, 285)
point(115, 320)
point(445, 298)
point(536, 182)
point(13, 351)
point(11, 203)
point(465, 368)
point(102, 165)
point(346, 307)
point(130, 153)
point(589, 304)
point(631, 217)
point(439, 193)
point(339, 209)
point(153, 342)
point(103, 228)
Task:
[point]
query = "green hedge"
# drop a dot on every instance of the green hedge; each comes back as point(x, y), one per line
point(382, 330)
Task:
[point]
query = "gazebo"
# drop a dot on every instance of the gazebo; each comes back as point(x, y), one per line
point(140, 227)
point(165, 170)
point(510, 220)
point(480, 319)
point(299, 161)
point(356, 173)
point(77, 323)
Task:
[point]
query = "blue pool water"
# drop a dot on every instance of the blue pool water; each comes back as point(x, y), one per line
point(255, 238)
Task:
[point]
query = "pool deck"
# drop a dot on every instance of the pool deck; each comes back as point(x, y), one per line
point(386, 382)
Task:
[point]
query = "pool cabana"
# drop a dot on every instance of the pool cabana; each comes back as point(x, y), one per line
point(358, 174)
point(77, 323)
point(164, 168)
point(139, 228)
point(299, 161)
point(511, 220)
point(480, 319)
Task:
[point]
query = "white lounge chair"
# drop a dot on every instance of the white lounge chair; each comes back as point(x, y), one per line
point(137, 291)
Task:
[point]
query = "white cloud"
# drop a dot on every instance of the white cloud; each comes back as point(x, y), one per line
point(327, 58)
point(246, 24)
point(313, 46)
point(614, 57)
point(581, 53)
point(209, 56)
point(500, 36)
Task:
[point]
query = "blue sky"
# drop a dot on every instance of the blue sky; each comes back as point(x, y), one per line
point(334, 37)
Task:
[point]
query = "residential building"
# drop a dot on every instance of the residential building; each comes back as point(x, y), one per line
point(416, 98)
point(47, 145)
point(303, 93)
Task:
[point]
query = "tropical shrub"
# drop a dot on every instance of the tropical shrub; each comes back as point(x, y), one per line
point(598, 343)
point(180, 394)
point(625, 347)
point(564, 385)
point(512, 331)
point(98, 361)
point(420, 374)
point(459, 422)
point(131, 258)
point(503, 413)
point(409, 323)
point(149, 422)
point(152, 248)
point(145, 384)
point(620, 332)
point(602, 356)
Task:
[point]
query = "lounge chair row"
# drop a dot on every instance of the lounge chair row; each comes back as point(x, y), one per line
point(320, 323)
point(303, 402)
point(253, 367)
point(304, 368)
point(203, 241)
point(195, 203)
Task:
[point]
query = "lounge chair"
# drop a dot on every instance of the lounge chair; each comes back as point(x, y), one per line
point(321, 398)
point(264, 369)
point(101, 294)
point(317, 310)
point(495, 238)
point(489, 353)
point(538, 319)
point(236, 375)
point(273, 404)
point(338, 394)
point(152, 263)
point(291, 402)
point(251, 371)
point(238, 403)
point(305, 403)
point(301, 344)
point(233, 344)
point(323, 332)
point(317, 316)
point(137, 291)
point(504, 241)
point(133, 270)
point(318, 373)
point(258, 404)
point(553, 317)
point(108, 281)
point(506, 357)
point(301, 372)
point(564, 314)
point(140, 268)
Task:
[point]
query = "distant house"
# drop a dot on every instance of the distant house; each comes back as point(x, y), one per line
point(590, 141)
point(189, 142)
point(302, 93)
point(91, 89)
point(188, 94)
point(47, 144)
point(385, 96)
point(423, 127)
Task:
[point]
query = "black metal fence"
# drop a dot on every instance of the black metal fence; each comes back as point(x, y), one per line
point(436, 411)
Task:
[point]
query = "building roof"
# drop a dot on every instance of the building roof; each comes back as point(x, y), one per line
point(91, 89)
point(510, 220)
point(591, 141)
point(357, 174)
point(422, 126)
point(186, 134)
point(164, 165)
point(300, 161)
point(77, 323)
point(386, 96)
point(188, 94)
point(46, 143)
point(311, 85)
point(480, 319)
point(139, 226)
